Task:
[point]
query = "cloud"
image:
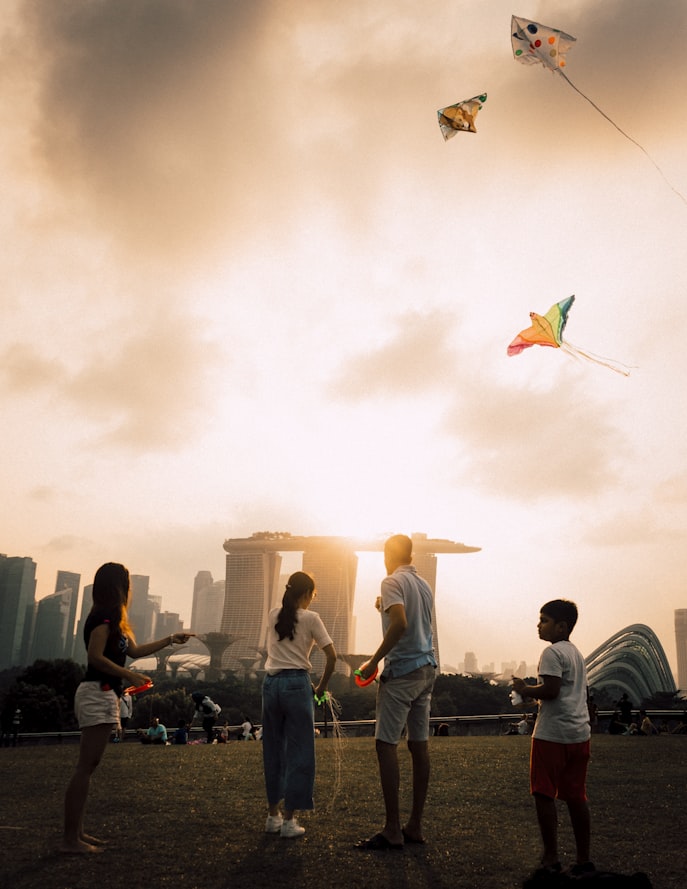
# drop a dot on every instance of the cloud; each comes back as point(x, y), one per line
point(24, 369)
point(145, 118)
point(67, 543)
point(150, 390)
point(533, 445)
point(414, 359)
point(43, 493)
point(144, 390)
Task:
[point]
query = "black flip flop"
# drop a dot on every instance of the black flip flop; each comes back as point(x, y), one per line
point(378, 843)
point(409, 839)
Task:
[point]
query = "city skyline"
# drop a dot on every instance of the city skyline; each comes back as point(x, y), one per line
point(256, 546)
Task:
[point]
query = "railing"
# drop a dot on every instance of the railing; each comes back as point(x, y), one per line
point(488, 724)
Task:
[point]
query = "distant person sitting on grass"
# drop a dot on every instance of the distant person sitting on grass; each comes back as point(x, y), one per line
point(180, 736)
point(615, 726)
point(109, 641)
point(561, 737)
point(156, 734)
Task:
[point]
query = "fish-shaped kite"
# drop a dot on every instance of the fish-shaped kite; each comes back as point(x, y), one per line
point(460, 118)
point(535, 44)
point(547, 330)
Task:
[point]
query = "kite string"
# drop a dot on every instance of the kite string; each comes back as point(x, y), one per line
point(574, 352)
point(338, 739)
point(622, 132)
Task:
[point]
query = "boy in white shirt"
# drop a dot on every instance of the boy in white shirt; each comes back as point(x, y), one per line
point(561, 737)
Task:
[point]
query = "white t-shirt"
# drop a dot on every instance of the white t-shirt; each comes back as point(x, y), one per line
point(564, 719)
point(294, 654)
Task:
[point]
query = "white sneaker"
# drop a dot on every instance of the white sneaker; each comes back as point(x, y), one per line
point(273, 823)
point(291, 829)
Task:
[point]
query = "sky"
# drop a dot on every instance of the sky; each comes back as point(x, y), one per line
point(247, 286)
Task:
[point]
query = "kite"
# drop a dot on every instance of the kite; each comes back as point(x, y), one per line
point(535, 44)
point(547, 330)
point(460, 118)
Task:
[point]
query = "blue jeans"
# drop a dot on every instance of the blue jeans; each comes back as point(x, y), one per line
point(288, 739)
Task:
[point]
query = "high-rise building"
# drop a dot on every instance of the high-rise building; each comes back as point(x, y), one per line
point(470, 664)
point(153, 611)
point(17, 597)
point(50, 630)
point(140, 609)
point(68, 580)
point(681, 646)
point(168, 622)
point(426, 566)
point(208, 604)
point(79, 652)
point(334, 566)
point(251, 589)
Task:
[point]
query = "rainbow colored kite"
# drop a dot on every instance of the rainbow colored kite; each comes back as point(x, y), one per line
point(547, 330)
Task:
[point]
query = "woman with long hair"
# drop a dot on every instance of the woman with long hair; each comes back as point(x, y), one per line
point(288, 713)
point(109, 641)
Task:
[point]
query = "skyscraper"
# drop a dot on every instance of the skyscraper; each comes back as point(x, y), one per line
point(140, 608)
point(17, 597)
point(251, 589)
point(471, 662)
point(68, 580)
point(426, 566)
point(334, 565)
point(79, 652)
point(681, 646)
point(208, 604)
point(50, 630)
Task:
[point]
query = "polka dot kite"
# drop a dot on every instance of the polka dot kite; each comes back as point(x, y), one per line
point(535, 44)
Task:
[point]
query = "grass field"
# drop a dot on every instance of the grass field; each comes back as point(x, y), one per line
point(193, 817)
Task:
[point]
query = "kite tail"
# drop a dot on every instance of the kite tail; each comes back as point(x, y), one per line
point(574, 352)
point(622, 132)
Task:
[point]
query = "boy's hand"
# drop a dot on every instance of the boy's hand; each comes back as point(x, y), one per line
point(518, 684)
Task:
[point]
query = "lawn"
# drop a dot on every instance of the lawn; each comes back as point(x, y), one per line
point(193, 817)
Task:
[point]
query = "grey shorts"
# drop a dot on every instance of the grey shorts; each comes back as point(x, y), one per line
point(93, 706)
point(405, 702)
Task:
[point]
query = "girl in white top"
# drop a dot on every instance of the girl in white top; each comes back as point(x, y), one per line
point(288, 717)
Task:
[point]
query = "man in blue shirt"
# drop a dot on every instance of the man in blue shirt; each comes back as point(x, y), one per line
point(405, 690)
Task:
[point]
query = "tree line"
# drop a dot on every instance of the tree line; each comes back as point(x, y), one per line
point(44, 692)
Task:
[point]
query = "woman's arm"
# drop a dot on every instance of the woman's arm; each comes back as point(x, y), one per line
point(330, 654)
point(147, 648)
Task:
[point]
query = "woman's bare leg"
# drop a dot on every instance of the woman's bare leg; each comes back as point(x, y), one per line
point(93, 743)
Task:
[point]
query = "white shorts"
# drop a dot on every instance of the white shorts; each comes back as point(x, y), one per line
point(93, 706)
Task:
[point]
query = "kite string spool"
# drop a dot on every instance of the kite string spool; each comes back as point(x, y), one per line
point(363, 683)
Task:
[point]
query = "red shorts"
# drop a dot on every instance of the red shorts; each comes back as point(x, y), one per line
point(559, 771)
